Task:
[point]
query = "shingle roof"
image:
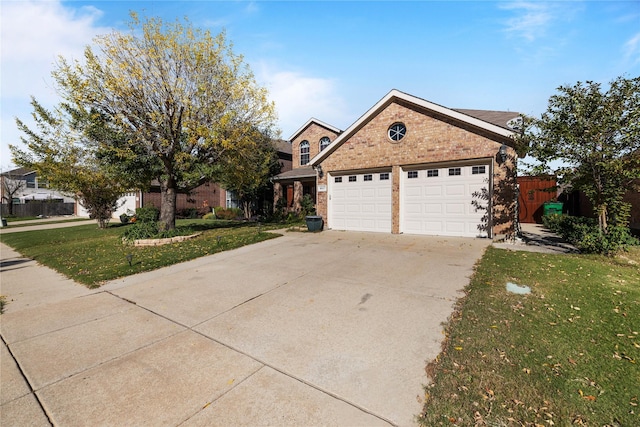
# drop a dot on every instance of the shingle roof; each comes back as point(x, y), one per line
point(301, 172)
point(498, 118)
point(18, 172)
point(283, 146)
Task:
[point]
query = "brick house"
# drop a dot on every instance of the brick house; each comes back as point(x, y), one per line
point(408, 166)
point(202, 198)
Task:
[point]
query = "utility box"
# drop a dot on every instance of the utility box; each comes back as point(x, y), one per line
point(552, 208)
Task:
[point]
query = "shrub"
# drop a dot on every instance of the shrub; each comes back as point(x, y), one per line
point(147, 214)
point(585, 234)
point(227, 213)
point(141, 230)
point(190, 213)
point(307, 207)
point(209, 216)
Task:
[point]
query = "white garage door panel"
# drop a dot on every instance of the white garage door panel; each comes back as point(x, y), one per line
point(442, 204)
point(360, 205)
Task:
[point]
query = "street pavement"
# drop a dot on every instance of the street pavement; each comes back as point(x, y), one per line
point(330, 328)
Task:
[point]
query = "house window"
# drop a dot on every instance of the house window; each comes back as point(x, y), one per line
point(432, 173)
point(353, 178)
point(397, 131)
point(478, 170)
point(338, 179)
point(304, 152)
point(232, 200)
point(412, 174)
point(454, 171)
point(368, 177)
point(384, 176)
point(324, 142)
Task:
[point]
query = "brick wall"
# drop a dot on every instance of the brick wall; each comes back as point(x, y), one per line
point(208, 195)
point(313, 133)
point(429, 139)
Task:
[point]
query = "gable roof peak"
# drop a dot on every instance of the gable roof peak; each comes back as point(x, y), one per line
point(319, 123)
point(395, 94)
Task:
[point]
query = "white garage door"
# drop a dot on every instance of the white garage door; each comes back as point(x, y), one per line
point(360, 202)
point(438, 201)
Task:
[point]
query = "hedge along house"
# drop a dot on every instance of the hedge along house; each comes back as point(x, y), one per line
point(409, 166)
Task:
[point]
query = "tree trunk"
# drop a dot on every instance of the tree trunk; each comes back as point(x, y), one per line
point(168, 204)
point(602, 218)
point(246, 205)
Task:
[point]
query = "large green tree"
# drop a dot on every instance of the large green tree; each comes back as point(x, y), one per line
point(60, 150)
point(595, 135)
point(179, 94)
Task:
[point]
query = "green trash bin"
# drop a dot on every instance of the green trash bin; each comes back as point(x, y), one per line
point(314, 223)
point(552, 208)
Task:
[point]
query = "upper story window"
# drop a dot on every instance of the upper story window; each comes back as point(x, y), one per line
point(324, 142)
point(304, 152)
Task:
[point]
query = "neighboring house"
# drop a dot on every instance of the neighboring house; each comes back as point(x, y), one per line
point(211, 194)
point(202, 198)
point(408, 166)
point(578, 204)
point(28, 188)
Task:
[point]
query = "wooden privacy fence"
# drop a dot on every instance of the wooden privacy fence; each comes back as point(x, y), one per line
point(35, 208)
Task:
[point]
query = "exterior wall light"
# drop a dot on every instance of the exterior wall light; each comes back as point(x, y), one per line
point(503, 153)
point(320, 172)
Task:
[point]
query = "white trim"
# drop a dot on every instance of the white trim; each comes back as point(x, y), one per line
point(318, 122)
point(389, 98)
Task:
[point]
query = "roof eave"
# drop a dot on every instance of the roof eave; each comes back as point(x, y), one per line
point(395, 94)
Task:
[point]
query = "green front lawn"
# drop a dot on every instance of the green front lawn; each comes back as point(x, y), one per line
point(566, 354)
point(92, 256)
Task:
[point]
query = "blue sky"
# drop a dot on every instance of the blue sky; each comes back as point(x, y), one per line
point(333, 60)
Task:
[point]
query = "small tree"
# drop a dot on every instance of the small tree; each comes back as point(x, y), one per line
point(12, 184)
point(596, 135)
point(246, 168)
point(61, 152)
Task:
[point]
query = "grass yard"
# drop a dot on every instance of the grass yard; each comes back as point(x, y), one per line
point(567, 354)
point(92, 256)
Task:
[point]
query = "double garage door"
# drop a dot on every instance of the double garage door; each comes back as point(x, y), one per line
point(435, 201)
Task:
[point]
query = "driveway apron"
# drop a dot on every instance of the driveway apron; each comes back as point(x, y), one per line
point(331, 328)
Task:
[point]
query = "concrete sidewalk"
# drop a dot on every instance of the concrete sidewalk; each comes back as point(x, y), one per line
point(44, 224)
point(331, 328)
point(536, 238)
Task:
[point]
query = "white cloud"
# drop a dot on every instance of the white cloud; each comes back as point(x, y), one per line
point(531, 20)
point(632, 49)
point(299, 97)
point(34, 34)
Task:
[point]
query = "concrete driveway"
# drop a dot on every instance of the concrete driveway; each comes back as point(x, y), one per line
point(333, 328)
